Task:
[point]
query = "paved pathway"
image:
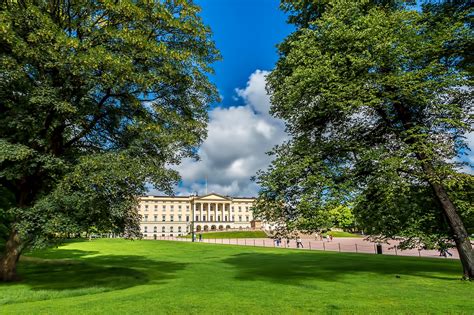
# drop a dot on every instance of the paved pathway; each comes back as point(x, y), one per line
point(343, 244)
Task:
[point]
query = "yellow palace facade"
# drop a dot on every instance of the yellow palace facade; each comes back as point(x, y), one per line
point(177, 215)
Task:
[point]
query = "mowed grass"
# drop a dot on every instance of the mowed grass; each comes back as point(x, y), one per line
point(149, 277)
point(230, 234)
point(342, 234)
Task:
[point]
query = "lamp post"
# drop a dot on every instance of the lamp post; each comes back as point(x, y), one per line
point(192, 220)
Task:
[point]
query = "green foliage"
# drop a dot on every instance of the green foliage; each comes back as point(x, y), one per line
point(342, 217)
point(96, 99)
point(371, 95)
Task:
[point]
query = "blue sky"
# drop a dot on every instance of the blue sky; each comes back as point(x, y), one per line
point(246, 33)
point(240, 130)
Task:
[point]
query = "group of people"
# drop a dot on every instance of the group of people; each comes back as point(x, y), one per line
point(299, 242)
point(199, 236)
point(328, 237)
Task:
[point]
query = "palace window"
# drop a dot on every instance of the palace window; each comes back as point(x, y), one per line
point(163, 218)
point(225, 218)
point(171, 218)
point(145, 229)
point(246, 208)
point(179, 229)
point(146, 218)
point(233, 218)
point(163, 229)
point(212, 218)
point(240, 209)
point(240, 218)
point(247, 218)
point(156, 208)
point(164, 208)
point(197, 218)
point(171, 208)
point(187, 218)
point(156, 218)
point(155, 229)
point(179, 218)
point(204, 218)
point(218, 218)
point(187, 208)
point(146, 207)
point(171, 229)
point(232, 208)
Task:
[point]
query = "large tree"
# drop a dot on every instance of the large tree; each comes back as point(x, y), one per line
point(377, 97)
point(97, 98)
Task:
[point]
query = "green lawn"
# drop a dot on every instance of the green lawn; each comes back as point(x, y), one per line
point(231, 234)
point(342, 234)
point(148, 277)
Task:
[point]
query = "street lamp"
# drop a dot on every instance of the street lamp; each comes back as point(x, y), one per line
point(192, 219)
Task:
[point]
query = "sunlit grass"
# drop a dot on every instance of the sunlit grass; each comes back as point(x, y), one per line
point(117, 276)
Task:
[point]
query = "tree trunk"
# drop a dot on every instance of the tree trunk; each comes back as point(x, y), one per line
point(10, 257)
point(463, 244)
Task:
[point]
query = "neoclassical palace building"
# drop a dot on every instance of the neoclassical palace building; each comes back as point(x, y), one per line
point(175, 215)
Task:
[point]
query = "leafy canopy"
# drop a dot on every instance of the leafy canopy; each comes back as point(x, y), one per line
point(371, 94)
point(96, 99)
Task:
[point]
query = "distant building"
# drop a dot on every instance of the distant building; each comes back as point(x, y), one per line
point(174, 215)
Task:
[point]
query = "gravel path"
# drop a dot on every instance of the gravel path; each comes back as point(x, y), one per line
point(340, 244)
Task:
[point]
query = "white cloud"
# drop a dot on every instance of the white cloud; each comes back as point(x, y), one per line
point(469, 158)
point(236, 146)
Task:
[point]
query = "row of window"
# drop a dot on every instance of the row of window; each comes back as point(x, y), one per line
point(163, 235)
point(145, 207)
point(175, 201)
point(211, 218)
point(163, 218)
point(163, 229)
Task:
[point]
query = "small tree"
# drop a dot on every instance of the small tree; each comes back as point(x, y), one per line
point(96, 99)
point(342, 217)
point(376, 98)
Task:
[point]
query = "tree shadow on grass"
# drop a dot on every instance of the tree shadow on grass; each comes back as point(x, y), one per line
point(65, 269)
point(291, 268)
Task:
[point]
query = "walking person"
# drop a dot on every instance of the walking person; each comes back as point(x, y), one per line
point(200, 237)
point(299, 242)
point(287, 242)
point(330, 237)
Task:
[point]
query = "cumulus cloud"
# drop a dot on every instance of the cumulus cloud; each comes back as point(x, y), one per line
point(236, 146)
point(469, 157)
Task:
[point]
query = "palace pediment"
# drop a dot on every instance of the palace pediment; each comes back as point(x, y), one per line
point(213, 197)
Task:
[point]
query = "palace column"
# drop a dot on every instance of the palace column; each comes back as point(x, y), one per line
point(193, 215)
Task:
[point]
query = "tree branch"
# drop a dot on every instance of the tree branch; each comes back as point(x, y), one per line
point(92, 123)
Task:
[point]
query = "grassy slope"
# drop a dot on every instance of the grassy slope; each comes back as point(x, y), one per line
point(232, 234)
point(144, 277)
point(342, 234)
